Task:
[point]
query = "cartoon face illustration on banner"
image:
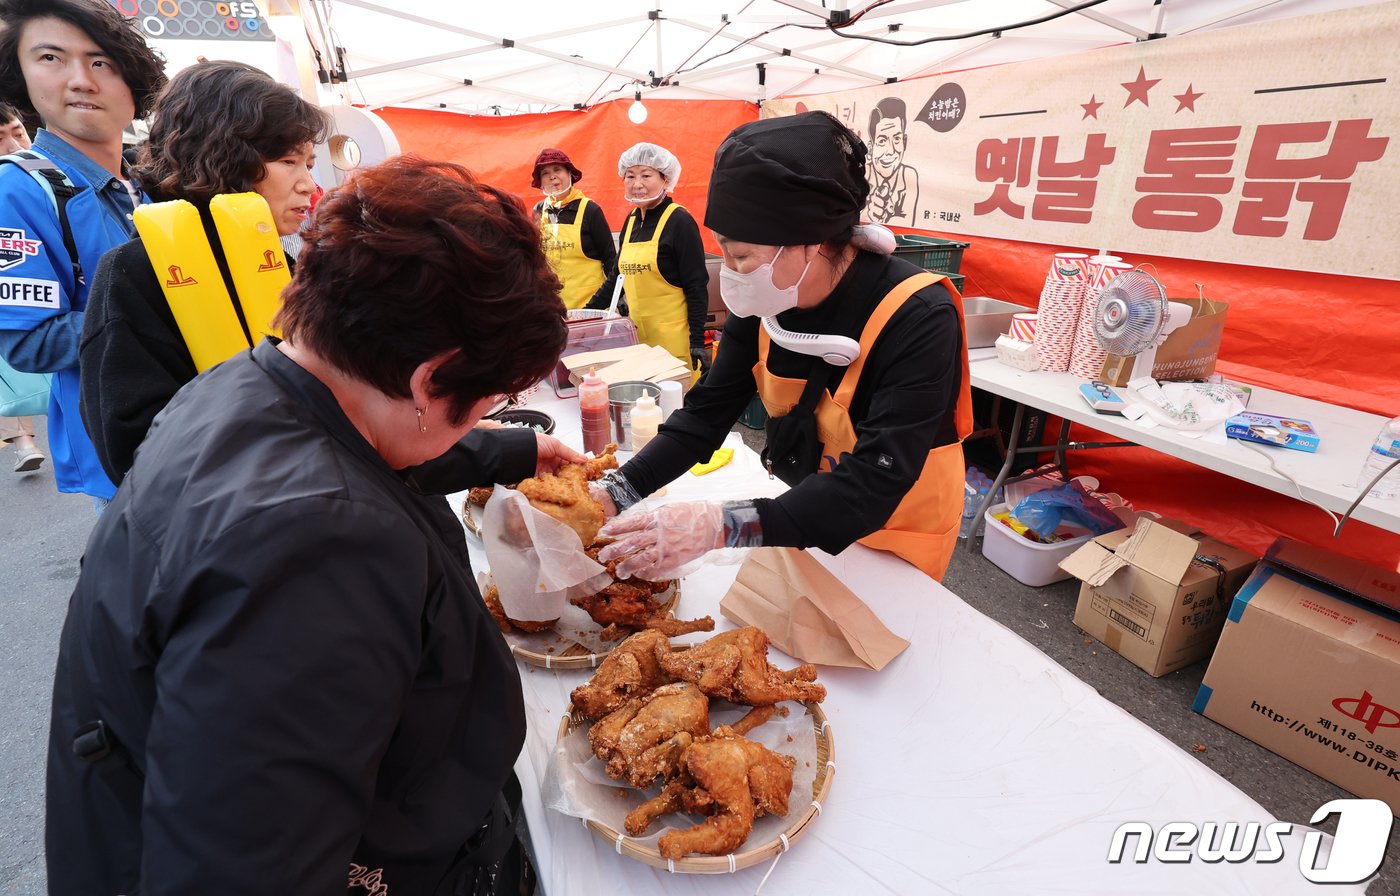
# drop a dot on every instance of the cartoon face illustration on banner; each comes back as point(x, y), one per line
point(894, 186)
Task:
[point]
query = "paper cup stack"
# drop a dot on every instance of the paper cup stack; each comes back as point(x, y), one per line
point(1086, 355)
point(1060, 303)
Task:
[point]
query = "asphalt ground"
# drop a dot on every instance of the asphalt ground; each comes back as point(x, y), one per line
point(43, 534)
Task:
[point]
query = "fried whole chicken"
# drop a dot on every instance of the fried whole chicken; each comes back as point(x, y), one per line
point(629, 672)
point(492, 598)
point(727, 777)
point(630, 605)
point(564, 494)
point(734, 666)
point(642, 740)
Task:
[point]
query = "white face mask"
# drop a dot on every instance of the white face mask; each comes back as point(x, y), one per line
point(562, 192)
point(753, 294)
point(643, 201)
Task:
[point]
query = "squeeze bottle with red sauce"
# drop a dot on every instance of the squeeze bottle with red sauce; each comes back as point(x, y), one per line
point(593, 410)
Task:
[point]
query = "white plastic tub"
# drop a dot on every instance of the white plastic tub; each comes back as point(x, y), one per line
point(1024, 560)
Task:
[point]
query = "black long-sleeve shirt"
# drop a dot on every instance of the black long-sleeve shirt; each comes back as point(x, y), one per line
point(680, 259)
point(903, 407)
point(289, 647)
point(595, 238)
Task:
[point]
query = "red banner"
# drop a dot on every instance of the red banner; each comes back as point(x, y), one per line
point(501, 150)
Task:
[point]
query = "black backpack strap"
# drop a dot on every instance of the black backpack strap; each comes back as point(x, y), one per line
point(60, 190)
point(817, 381)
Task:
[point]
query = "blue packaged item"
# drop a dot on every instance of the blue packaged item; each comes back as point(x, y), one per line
point(1266, 429)
point(1044, 511)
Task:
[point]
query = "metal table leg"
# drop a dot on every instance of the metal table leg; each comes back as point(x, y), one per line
point(1014, 448)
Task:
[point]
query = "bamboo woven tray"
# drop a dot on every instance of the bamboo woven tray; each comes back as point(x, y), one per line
point(552, 650)
point(801, 818)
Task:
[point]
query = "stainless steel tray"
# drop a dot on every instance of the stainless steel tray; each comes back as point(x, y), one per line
point(988, 318)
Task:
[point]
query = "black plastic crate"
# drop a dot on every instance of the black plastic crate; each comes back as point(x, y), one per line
point(755, 416)
point(930, 252)
point(956, 278)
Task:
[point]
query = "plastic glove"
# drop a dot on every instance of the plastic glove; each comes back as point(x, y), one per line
point(599, 492)
point(617, 491)
point(658, 544)
point(700, 357)
point(550, 454)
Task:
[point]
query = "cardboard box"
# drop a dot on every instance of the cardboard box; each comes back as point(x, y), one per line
point(630, 363)
point(1158, 594)
point(1283, 432)
point(1308, 666)
point(1017, 353)
point(1189, 352)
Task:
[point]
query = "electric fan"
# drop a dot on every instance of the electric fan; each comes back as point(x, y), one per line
point(1132, 318)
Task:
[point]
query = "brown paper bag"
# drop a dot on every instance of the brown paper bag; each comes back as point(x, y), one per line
point(807, 613)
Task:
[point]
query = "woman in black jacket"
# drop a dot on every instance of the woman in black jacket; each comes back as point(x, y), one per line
point(218, 127)
point(277, 674)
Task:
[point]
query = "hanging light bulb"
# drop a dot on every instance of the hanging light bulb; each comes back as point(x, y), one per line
point(637, 112)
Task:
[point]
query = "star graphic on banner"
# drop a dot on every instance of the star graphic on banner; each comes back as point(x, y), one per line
point(1137, 90)
point(1188, 99)
point(1091, 108)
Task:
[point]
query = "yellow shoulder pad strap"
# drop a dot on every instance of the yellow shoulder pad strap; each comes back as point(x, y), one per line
point(254, 255)
point(184, 265)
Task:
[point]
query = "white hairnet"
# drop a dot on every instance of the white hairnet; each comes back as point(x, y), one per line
point(652, 156)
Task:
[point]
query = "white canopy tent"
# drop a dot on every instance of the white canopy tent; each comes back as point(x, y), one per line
point(548, 55)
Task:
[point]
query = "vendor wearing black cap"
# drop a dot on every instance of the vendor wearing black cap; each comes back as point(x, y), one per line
point(661, 259)
point(883, 434)
point(577, 239)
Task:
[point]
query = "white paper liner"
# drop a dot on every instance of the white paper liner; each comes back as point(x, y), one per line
point(576, 785)
point(575, 627)
point(537, 562)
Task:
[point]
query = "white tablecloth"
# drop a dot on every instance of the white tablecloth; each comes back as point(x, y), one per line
point(972, 763)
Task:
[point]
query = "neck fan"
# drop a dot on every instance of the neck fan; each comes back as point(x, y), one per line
point(1132, 318)
point(838, 351)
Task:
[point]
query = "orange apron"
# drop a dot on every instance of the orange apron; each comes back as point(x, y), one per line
point(924, 527)
point(563, 245)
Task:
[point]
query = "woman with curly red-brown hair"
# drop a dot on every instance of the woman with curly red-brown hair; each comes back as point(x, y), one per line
point(277, 674)
point(218, 127)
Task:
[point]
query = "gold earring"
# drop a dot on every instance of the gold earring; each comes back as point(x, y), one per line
point(422, 427)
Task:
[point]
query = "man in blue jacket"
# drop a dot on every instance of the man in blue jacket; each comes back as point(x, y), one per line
point(86, 71)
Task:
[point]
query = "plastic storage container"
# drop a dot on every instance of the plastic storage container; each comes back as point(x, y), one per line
point(590, 334)
point(956, 279)
point(755, 416)
point(1026, 561)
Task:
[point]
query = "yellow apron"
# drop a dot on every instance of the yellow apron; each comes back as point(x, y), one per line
point(656, 307)
point(924, 527)
point(563, 245)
